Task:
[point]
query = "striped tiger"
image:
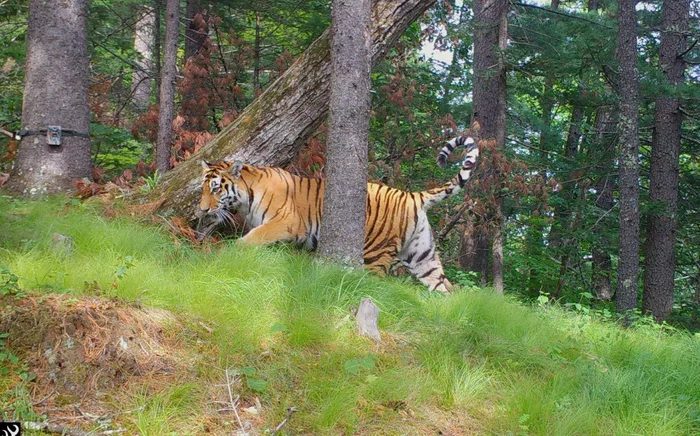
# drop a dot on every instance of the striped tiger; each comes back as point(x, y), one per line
point(279, 206)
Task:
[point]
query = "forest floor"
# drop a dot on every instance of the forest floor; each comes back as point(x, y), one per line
point(112, 322)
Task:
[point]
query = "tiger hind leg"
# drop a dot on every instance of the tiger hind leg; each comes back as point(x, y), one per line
point(424, 263)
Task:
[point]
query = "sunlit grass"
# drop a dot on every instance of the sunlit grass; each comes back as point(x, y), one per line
point(515, 369)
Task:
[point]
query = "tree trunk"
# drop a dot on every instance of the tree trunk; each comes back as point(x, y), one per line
point(197, 29)
point(272, 129)
point(605, 140)
point(489, 102)
point(143, 45)
point(167, 86)
point(342, 232)
point(157, 12)
point(660, 260)
point(55, 94)
point(628, 126)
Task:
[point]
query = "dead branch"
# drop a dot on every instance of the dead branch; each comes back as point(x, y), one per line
point(230, 380)
point(290, 411)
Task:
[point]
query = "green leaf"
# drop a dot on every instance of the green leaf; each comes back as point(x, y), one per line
point(257, 384)
point(249, 371)
point(352, 366)
point(278, 327)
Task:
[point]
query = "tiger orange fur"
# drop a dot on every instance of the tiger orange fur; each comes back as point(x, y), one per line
point(279, 206)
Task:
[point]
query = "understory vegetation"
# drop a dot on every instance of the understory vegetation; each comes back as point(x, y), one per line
point(473, 362)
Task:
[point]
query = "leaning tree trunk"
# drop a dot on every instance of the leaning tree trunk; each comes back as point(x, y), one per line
point(272, 129)
point(55, 94)
point(166, 111)
point(628, 127)
point(660, 260)
point(342, 232)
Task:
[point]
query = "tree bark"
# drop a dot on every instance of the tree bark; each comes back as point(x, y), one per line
point(272, 129)
point(167, 86)
point(143, 45)
point(367, 319)
point(660, 260)
point(157, 12)
point(55, 94)
point(342, 232)
point(489, 102)
point(628, 126)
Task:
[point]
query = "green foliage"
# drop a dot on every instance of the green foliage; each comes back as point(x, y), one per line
point(282, 320)
point(115, 149)
point(8, 283)
point(355, 366)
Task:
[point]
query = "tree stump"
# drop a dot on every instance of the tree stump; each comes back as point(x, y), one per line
point(366, 319)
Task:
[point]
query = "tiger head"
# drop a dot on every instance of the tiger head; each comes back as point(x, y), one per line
point(221, 193)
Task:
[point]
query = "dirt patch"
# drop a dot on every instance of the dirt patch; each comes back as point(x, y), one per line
point(86, 351)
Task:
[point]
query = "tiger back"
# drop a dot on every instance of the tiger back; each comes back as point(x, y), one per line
point(280, 206)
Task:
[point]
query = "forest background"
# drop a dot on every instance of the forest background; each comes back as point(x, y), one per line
point(552, 191)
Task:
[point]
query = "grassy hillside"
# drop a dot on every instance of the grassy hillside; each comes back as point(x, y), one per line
point(470, 363)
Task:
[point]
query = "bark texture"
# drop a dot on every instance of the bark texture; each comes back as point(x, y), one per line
point(166, 112)
point(55, 94)
point(628, 126)
point(272, 129)
point(157, 12)
point(489, 102)
point(342, 232)
point(143, 45)
point(660, 260)
point(367, 318)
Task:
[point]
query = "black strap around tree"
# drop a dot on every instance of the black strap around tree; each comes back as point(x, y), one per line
point(64, 132)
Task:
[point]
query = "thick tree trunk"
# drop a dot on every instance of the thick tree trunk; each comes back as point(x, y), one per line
point(489, 102)
point(606, 120)
point(167, 86)
point(628, 126)
point(55, 94)
point(143, 45)
point(342, 233)
point(272, 129)
point(197, 29)
point(660, 260)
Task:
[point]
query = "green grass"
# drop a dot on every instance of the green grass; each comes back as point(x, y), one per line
point(283, 319)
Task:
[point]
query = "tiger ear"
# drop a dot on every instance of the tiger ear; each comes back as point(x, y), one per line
point(236, 167)
point(206, 165)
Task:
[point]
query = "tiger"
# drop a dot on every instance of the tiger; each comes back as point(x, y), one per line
point(279, 206)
